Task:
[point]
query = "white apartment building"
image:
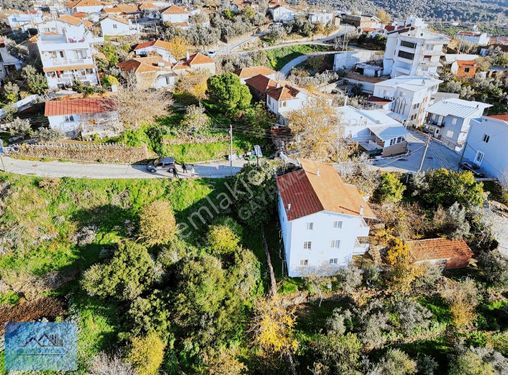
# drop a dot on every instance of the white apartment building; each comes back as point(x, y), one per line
point(66, 50)
point(176, 15)
point(323, 220)
point(410, 96)
point(476, 38)
point(450, 120)
point(413, 50)
point(486, 146)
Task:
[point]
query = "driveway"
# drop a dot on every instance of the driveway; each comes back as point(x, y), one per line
point(113, 171)
point(438, 156)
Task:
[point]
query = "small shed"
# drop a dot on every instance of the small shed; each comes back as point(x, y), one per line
point(451, 254)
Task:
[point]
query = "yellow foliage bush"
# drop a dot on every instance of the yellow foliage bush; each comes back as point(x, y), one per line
point(157, 224)
point(146, 354)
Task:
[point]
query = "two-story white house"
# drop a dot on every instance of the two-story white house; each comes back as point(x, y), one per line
point(450, 119)
point(113, 25)
point(285, 98)
point(158, 47)
point(83, 117)
point(323, 18)
point(486, 146)
point(413, 50)
point(324, 221)
point(150, 72)
point(66, 50)
point(409, 95)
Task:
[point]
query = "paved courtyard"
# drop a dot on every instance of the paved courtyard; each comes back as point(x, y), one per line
point(438, 156)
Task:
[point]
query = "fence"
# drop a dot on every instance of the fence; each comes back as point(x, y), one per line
point(85, 152)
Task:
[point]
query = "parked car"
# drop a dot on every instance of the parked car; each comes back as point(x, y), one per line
point(161, 164)
point(473, 168)
point(212, 53)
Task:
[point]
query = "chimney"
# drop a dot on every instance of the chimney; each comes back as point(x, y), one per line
point(317, 172)
point(289, 206)
point(187, 56)
point(362, 210)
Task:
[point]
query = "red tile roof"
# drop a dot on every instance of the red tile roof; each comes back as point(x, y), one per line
point(260, 83)
point(452, 253)
point(252, 71)
point(199, 58)
point(318, 187)
point(175, 9)
point(284, 92)
point(499, 117)
point(78, 106)
point(377, 99)
point(466, 62)
point(154, 43)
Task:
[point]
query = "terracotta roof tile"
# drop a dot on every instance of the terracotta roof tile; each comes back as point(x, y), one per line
point(499, 117)
point(83, 3)
point(284, 92)
point(466, 62)
point(318, 187)
point(199, 58)
point(154, 43)
point(122, 8)
point(145, 64)
point(71, 20)
point(260, 83)
point(78, 106)
point(453, 253)
point(175, 9)
point(252, 71)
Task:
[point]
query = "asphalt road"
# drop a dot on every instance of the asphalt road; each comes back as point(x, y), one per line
point(112, 171)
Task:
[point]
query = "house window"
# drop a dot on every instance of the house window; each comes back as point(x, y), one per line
point(407, 44)
point(479, 157)
point(69, 118)
point(406, 55)
point(337, 224)
point(310, 226)
point(307, 245)
point(466, 70)
point(335, 244)
point(115, 26)
point(304, 262)
point(334, 260)
point(61, 54)
point(486, 138)
point(454, 120)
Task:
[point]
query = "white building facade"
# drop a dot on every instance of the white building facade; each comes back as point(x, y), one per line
point(413, 50)
point(449, 120)
point(486, 146)
point(410, 97)
point(282, 14)
point(473, 37)
point(323, 220)
point(66, 52)
point(25, 21)
point(118, 26)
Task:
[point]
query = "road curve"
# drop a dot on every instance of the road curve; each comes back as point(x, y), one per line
point(111, 171)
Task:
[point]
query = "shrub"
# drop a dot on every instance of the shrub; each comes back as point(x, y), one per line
point(395, 362)
point(157, 224)
point(146, 354)
point(470, 363)
point(463, 299)
point(125, 276)
point(222, 239)
point(495, 268)
point(104, 364)
point(390, 189)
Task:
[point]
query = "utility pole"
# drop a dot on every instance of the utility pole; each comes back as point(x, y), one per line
point(1, 155)
point(424, 153)
point(231, 148)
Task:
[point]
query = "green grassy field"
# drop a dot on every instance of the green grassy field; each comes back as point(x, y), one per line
point(281, 56)
point(46, 215)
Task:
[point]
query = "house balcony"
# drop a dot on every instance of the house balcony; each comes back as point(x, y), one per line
point(360, 247)
point(54, 62)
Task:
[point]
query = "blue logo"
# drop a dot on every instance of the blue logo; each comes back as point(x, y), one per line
point(40, 346)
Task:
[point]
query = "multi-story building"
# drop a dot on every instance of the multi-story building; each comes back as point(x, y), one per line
point(8, 63)
point(409, 96)
point(413, 50)
point(486, 146)
point(324, 221)
point(113, 25)
point(84, 6)
point(450, 120)
point(66, 50)
point(25, 21)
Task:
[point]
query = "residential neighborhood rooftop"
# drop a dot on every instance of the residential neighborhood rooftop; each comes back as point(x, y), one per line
point(456, 253)
point(456, 107)
point(78, 106)
point(318, 187)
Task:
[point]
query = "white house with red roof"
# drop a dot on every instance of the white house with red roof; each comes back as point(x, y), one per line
point(194, 63)
point(85, 6)
point(159, 47)
point(324, 221)
point(115, 25)
point(150, 72)
point(285, 98)
point(25, 20)
point(83, 116)
point(176, 15)
point(486, 146)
